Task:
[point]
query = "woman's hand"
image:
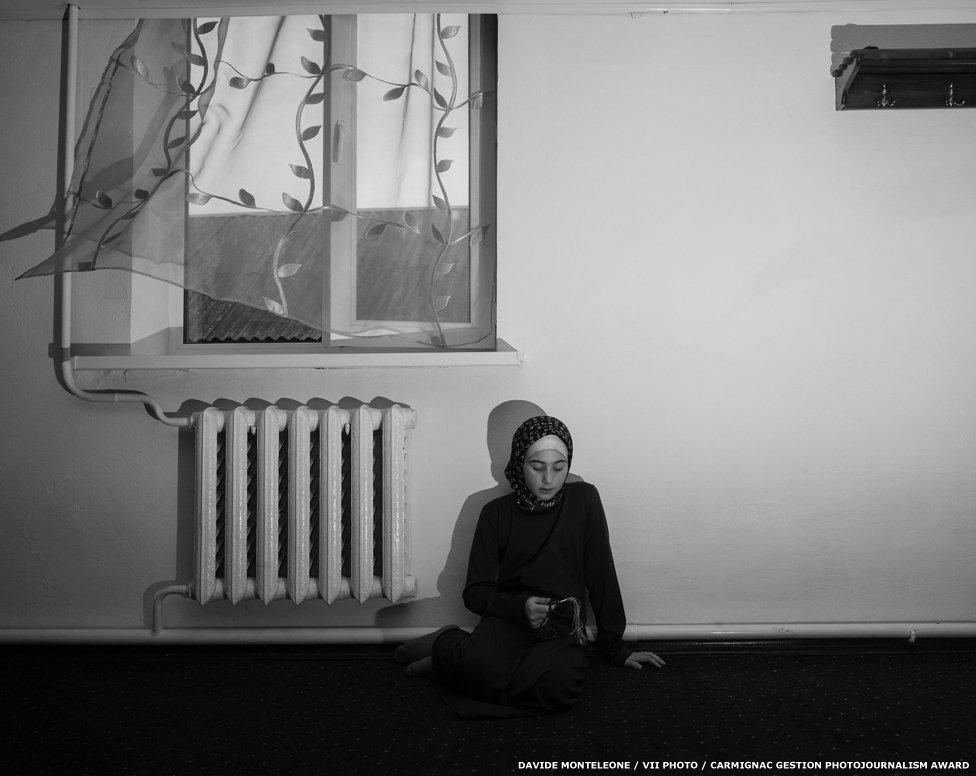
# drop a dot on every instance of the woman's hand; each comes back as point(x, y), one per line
point(536, 609)
point(636, 660)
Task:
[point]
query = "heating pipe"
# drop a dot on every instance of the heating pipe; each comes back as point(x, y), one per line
point(64, 364)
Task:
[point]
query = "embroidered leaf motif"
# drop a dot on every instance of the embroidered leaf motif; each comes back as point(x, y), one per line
point(238, 82)
point(316, 34)
point(439, 99)
point(273, 306)
point(291, 203)
point(375, 231)
point(141, 194)
point(444, 69)
point(187, 114)
point(441, 302)
point(287, 270)
point(394, 94)
point(196, 59)
point(300, 171)
point(140, 67)
point(422, 81)
point(203, 29)
point(446, 131)
point(437, 235)
point(159, 172)
point(315, 99)
point(450, 32)
point(311, 132)
point(311, 66)
point(444, 165)
point(176, 141)
point(410, 219)
point(269, 69)
point(477, 101)
point(103, 199)
point(353, 74)
point(187, 87)
point(198, 198)
point(443, 269)
point(439, 202)
point(246, 197)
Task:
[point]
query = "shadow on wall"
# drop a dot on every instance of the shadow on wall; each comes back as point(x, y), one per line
point(186, 485)
point(502, 423)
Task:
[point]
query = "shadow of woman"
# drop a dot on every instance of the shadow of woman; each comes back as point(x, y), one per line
point(446, 606)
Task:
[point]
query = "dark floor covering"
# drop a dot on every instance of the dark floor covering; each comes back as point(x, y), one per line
point(309, 710)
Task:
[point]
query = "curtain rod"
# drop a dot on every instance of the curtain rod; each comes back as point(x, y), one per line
point(128, 9)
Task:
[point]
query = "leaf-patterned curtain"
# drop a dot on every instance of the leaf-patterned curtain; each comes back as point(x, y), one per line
point(305, 172)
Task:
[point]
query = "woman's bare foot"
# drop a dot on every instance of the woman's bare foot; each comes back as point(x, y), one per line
point(418, 648)
point(422, 667)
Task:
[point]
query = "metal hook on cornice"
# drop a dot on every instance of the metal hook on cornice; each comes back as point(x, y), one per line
point(884, 101)
point(951, 98)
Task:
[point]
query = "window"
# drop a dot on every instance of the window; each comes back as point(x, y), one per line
point(396, 173)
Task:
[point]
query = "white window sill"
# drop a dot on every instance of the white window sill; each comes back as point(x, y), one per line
point(503, 355)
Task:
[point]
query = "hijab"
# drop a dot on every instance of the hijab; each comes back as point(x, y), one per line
point(531, 436)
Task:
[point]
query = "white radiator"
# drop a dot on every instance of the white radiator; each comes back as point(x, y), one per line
point(288, 504)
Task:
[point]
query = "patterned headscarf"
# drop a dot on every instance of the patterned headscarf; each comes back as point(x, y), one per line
point(525, 435)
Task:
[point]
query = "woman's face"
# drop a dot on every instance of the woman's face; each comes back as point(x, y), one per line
point(545, 472)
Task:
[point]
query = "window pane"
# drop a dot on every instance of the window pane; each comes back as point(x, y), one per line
point(393, 271)
point(400, 171)
point(253, 162)
point(238, 246)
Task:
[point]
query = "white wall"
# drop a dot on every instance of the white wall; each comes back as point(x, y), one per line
point(753, 312)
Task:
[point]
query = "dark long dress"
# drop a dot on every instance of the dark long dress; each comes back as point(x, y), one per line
point(515, 554)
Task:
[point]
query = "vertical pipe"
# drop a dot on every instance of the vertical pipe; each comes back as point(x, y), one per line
point(62, 280)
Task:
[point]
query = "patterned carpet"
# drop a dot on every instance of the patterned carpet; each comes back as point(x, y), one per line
point(354, 711)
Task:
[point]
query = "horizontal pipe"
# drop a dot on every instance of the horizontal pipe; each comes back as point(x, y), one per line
point(379, 635)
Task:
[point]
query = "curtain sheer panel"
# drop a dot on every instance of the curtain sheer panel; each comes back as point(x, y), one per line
point(303, 178)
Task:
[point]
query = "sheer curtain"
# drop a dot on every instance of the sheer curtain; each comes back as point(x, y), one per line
point(306, 173)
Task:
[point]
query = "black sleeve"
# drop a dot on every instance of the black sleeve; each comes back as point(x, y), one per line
point(481, 593)
point(602, 586)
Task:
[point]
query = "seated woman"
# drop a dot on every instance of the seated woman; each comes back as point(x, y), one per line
point(535, 555)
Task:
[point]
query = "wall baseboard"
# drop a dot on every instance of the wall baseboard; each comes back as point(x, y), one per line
point(682, 632)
